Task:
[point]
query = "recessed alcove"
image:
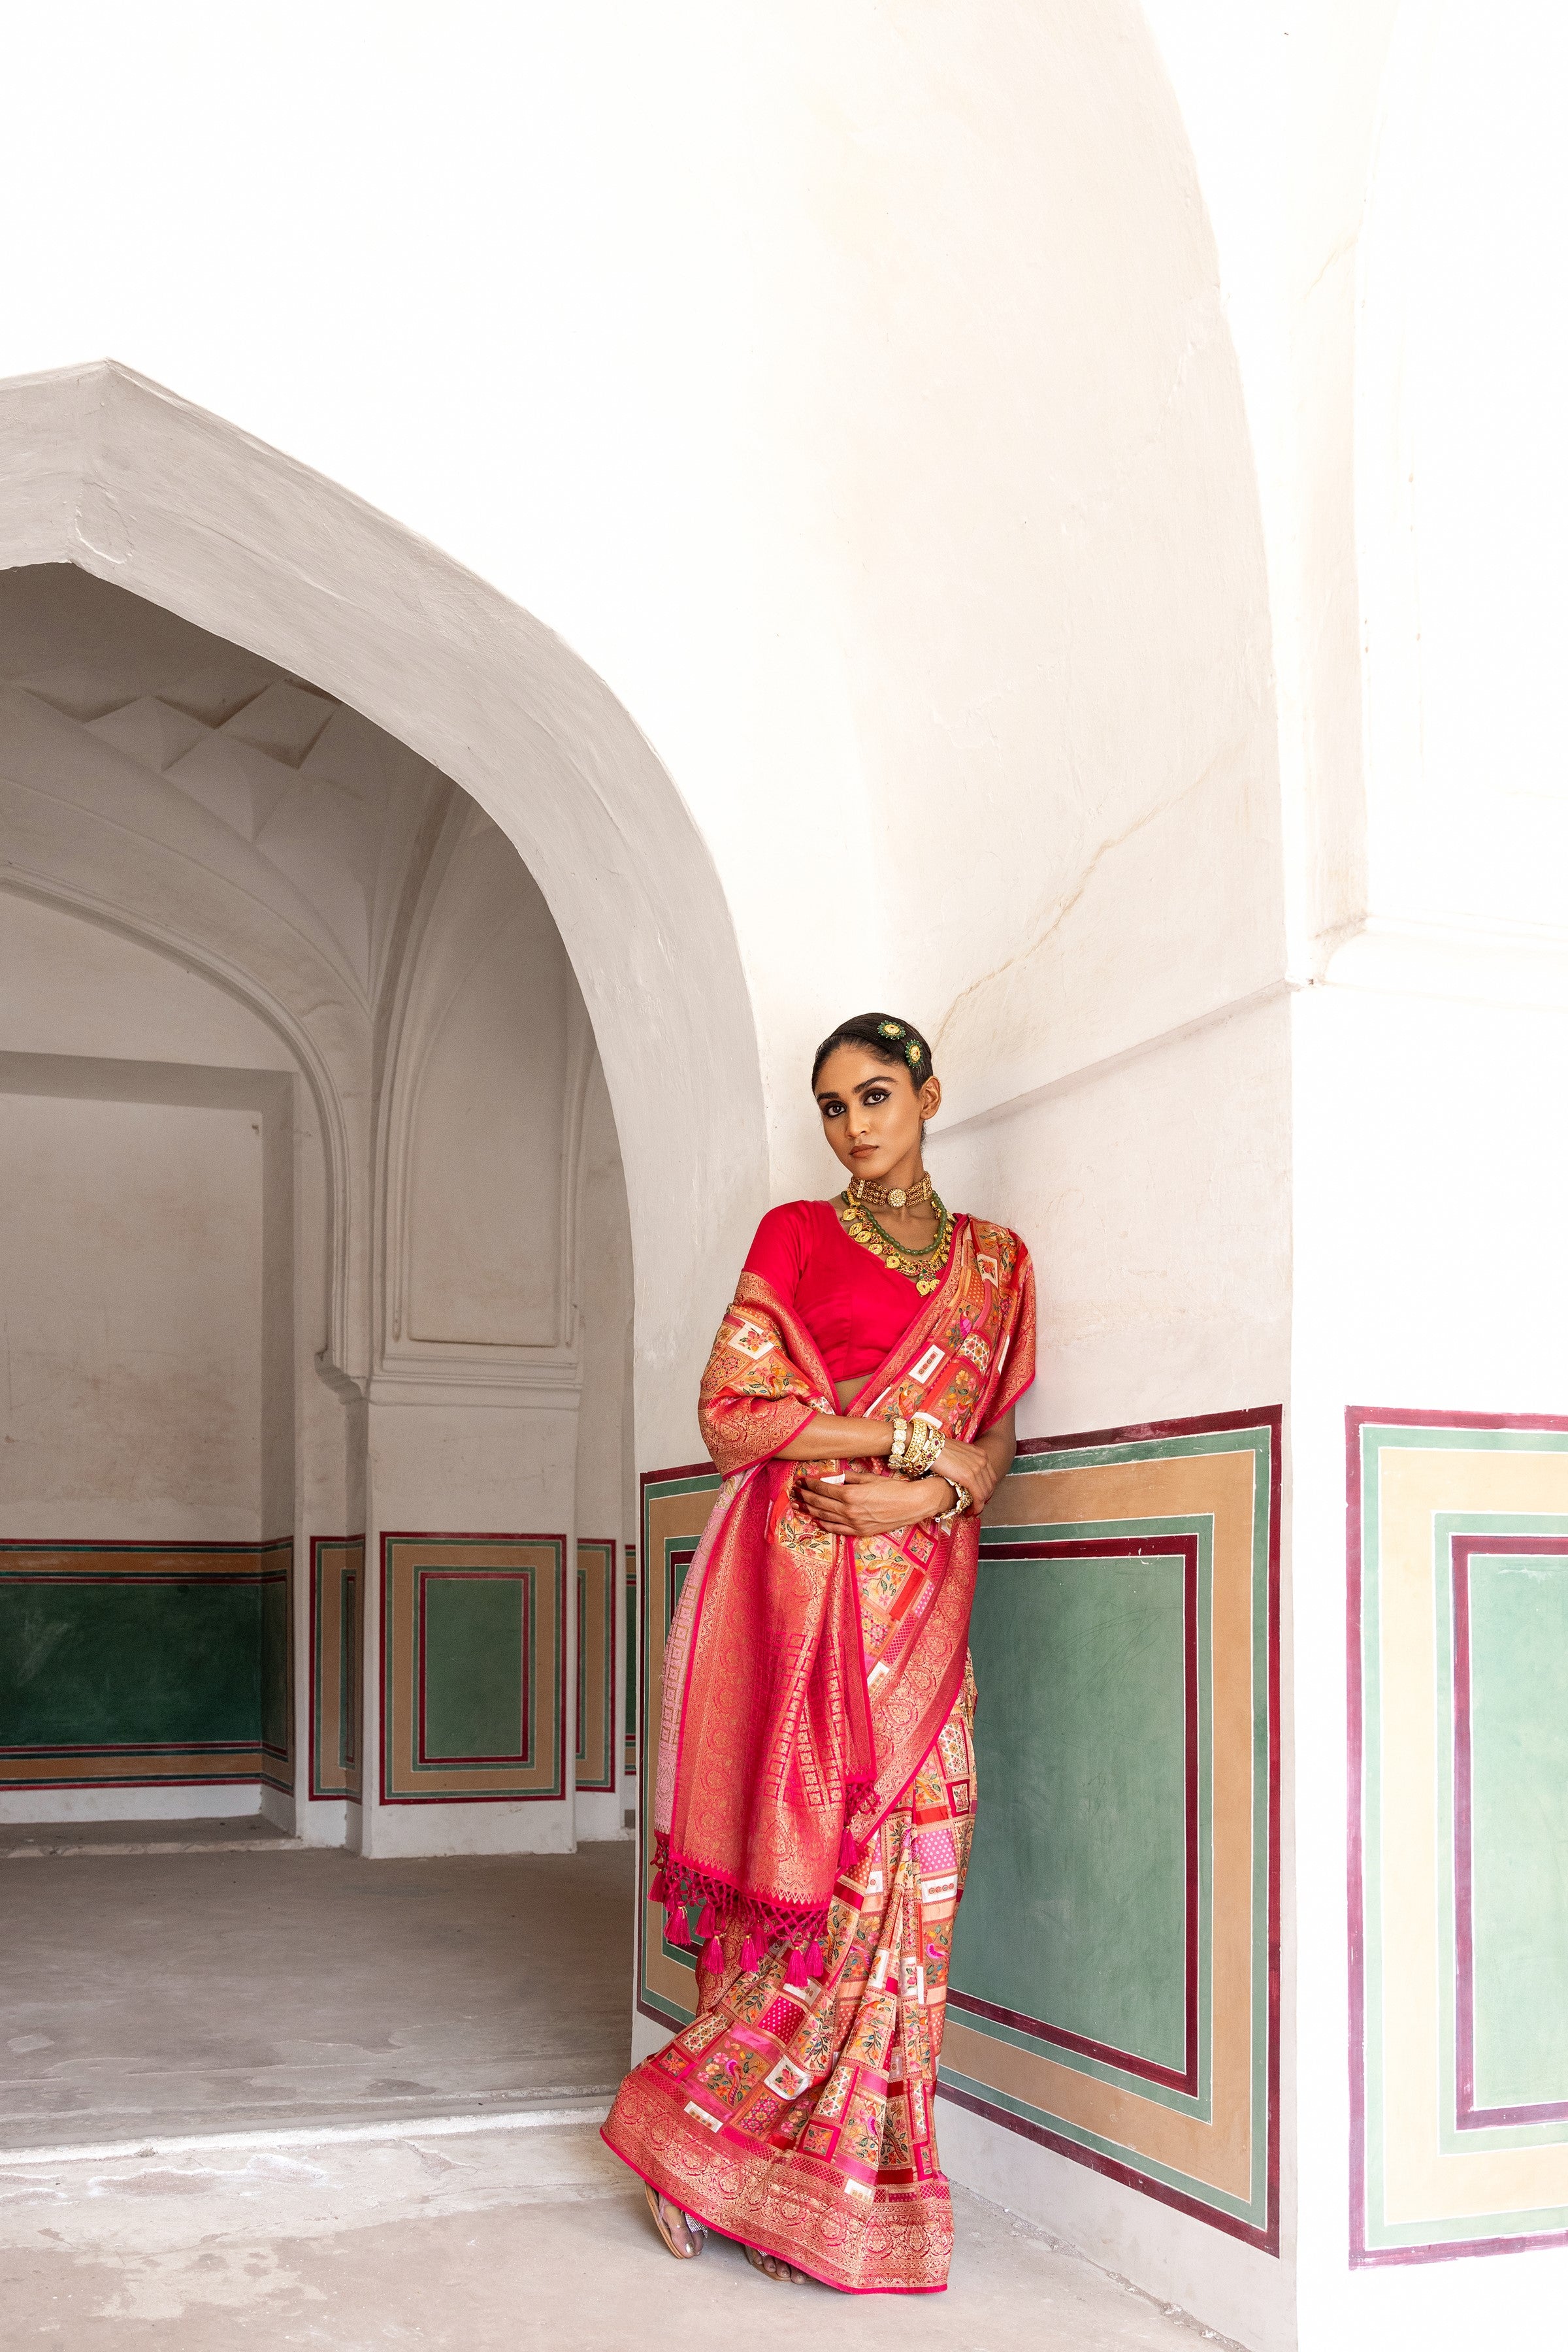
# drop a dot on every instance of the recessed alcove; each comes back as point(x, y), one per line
point(315, 1239)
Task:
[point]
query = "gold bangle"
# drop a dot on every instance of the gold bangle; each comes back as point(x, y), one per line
point(899, 1445)
point(962, 1500)
point(926, 1441)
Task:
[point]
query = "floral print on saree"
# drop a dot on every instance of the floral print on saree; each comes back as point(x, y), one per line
point(799, 2119)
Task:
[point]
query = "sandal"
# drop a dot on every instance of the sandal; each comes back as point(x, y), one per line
point(785, 2273)
point(696, 2230)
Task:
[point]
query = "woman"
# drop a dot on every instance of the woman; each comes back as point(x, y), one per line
point(816, 1791)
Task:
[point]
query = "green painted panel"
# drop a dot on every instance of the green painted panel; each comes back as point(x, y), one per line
point(130, 1662)
point(275, 1663)
point(473, 1666)
point(1519, 1682)
point(1075, 1909)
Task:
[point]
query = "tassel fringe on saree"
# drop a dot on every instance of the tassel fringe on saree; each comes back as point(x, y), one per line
point(815, 1804)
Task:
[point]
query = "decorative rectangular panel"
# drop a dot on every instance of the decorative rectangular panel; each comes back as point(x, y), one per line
point(598, 1607)
point(337, 1625)
point(473, 1660)
point(138, 1665)
point(1114, 1985)
point(1458, 1529)
point(675, 1507)
point(631, 1653)
point(1081, 1923)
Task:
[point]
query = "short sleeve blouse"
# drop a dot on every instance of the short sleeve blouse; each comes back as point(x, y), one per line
point(854, 1308)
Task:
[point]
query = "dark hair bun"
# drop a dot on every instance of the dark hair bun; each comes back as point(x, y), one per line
point(881, 1033)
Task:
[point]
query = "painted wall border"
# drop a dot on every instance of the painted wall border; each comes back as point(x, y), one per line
point(690, 1478)
point(1358, 1420)
point(558, 1790)
point(351, 1639)
point(1462, 1549)
point(1264, 2234)
point(603, 1781)
point(1185, 1548)
point(230, 1762)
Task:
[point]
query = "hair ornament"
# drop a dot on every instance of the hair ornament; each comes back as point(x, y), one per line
point(889, 1029)
point(913, 1055)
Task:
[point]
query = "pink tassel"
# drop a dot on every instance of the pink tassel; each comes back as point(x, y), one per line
point(713, 1957)
point(849, 1852)
point(659, 1891)
point(815, 1966)
point(750, 1956)
point(708, 1924)
point(675, 1924)
point(794, 1974)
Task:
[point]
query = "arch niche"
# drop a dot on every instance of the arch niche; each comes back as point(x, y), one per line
point(100, 468)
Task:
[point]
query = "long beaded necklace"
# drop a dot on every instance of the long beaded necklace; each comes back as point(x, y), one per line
point(923, 1267)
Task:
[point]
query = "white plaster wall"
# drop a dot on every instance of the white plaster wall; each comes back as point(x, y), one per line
point(131, 1264)
point(1427, 1166)
point(1464, 479)
point(1148, 1193)
point(485, 1060)
point(896, 481)
point(1149, 1188)
point(68, 985)
point(605, 1458)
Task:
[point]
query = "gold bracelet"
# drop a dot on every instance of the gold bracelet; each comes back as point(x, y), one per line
point(962, 1500)
point(900, 1444)
point(926, 1442)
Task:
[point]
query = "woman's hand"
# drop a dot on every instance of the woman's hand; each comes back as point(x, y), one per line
point(865, 1504)
point(967, 1466)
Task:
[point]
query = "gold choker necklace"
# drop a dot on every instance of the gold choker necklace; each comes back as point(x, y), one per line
point(867, 1195)
point(923, 1267)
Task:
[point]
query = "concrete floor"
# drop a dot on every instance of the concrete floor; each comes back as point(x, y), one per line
point(168, 1991)
point(278, 2098)
point(517, 2238)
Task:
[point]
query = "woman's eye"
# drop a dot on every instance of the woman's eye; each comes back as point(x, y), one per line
point(876, 1095)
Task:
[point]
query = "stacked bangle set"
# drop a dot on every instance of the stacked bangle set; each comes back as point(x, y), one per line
point(917, 1444)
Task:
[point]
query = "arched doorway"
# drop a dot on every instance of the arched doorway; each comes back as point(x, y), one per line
point(125, 481)
point(312, 1111)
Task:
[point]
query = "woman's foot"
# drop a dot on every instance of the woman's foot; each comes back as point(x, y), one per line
point(681, 2234)
point(773, 2266)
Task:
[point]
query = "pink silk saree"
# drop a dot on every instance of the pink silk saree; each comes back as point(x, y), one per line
point(814, 1802)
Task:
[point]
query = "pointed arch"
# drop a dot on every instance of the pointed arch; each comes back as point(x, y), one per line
point(101, 468)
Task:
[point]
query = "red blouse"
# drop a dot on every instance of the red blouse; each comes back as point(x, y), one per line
point(854, 1308)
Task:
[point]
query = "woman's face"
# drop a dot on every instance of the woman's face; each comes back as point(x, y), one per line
point(871, 1114)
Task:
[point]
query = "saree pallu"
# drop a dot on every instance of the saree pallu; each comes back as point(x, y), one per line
point(815, 1802)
